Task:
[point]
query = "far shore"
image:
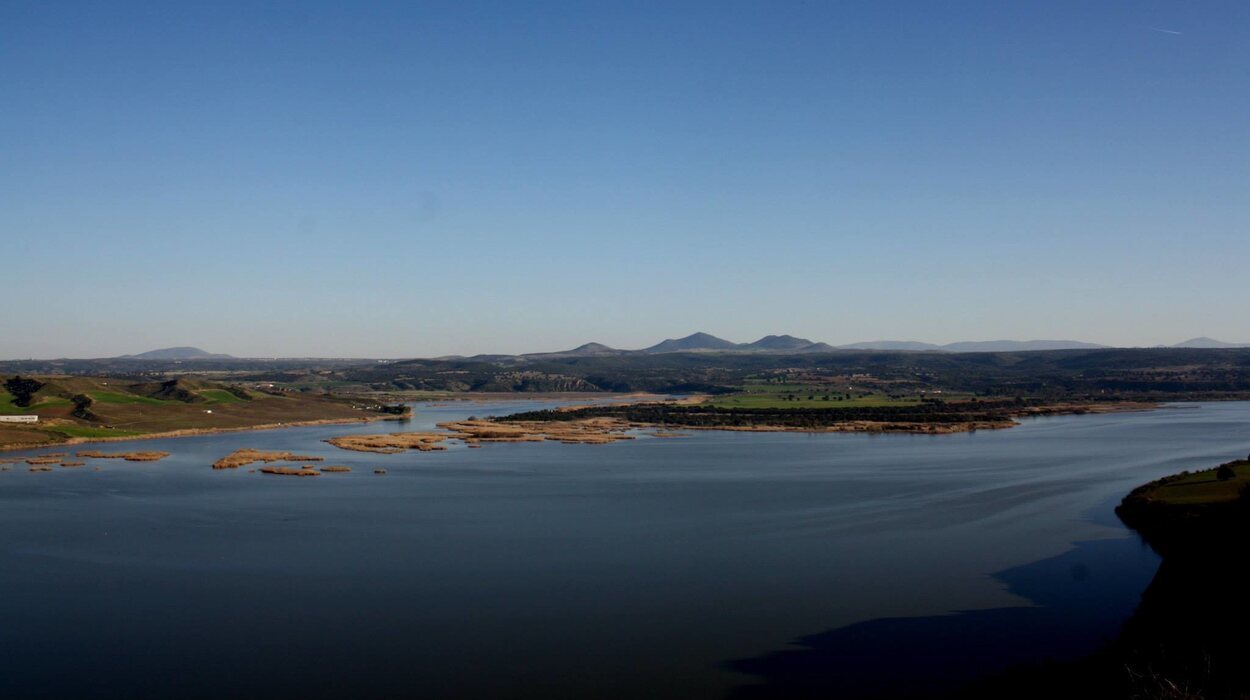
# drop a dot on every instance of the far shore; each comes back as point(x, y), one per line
point(847, 427)
point(760, 422)
point(493, 396)
point(479, 397)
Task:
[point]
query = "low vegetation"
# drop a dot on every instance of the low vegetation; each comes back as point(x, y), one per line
point(75, 408)
point(924, 416)
point(392, 443)
point(244, 457)
point(290, 471)
point(148, 456)
point(473, 432)
point(1227, 483)
point(833, 392)
point(592, 431)
point(1173, 508)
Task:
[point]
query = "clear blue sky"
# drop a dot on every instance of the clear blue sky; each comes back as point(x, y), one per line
point(415, 179)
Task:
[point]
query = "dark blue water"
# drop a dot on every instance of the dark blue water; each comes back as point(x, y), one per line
point(723, 563)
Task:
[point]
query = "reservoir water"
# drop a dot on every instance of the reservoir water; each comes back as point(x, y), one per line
point(717, 565)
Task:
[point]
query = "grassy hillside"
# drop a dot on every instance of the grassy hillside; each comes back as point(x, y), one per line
point(1223, 484)
point(101, 407)
point(1135, 373)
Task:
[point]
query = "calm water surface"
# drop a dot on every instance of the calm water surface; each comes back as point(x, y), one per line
point(722, 564)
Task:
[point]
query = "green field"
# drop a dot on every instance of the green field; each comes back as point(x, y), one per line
point(219, 396)
point(761, 395)
point(8, 408)
point(1201, 487)
point(6, 404)
point(158, 406)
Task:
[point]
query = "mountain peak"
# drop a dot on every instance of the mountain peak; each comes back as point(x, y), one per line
point(694, 341)
point(1205, 342)
point(583, 350)
point(780, 342)
point(184, 352)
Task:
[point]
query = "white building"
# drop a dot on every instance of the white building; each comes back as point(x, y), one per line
point(19, 419)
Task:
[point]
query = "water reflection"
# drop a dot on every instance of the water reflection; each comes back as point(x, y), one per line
point(616, 571)
point(1082, 597)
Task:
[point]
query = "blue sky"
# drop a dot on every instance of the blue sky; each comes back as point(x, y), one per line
point(408, 179)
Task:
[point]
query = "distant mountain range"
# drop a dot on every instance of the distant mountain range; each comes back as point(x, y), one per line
point(179, 353)
point(1208, 343)
point(774, 344)
point(781, 344)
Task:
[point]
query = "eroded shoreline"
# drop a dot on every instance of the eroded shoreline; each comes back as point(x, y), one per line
point(193, 432)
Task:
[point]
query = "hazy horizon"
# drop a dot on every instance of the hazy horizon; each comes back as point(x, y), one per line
point(631, 347)
point(397, 181)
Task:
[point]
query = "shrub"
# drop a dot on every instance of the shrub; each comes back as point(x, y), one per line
point(23, 390)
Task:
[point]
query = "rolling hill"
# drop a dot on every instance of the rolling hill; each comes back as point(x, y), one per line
point(179, 353)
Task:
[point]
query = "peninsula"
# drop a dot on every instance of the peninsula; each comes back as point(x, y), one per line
point(931, 416)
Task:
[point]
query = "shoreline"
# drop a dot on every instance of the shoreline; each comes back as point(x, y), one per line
point(193, 432)
point(848, 427)
point(1006, 420)
point(474, 398)
point(1187, 630)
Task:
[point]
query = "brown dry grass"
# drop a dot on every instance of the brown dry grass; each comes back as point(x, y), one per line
point(43, 460)
point(244, 457)
point(290, 471)
point(490, 431)
point(73, 464)
point(336, 469)
point(40, 468)
point(592, 431)
point(152, 456)
point(144, 456)
point(391, 443)
point(20, 437)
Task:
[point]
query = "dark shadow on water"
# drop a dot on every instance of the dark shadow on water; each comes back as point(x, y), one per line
point(1083, 597)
